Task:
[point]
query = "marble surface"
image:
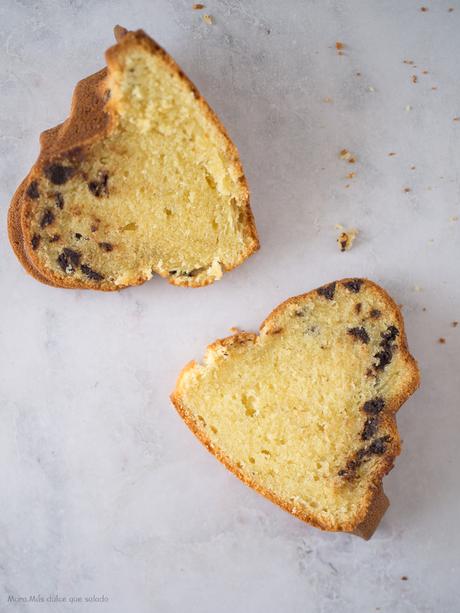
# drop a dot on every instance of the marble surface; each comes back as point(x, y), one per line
point(104, 492)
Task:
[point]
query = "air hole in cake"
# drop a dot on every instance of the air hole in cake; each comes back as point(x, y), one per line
point(129, 227)
point(252, 460)
point(213, 429)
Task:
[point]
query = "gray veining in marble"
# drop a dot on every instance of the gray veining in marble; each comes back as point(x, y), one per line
point(103, 489)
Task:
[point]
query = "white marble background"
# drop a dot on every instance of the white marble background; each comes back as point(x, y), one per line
point(103, 489)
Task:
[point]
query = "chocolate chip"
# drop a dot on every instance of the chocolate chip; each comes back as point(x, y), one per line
point(47, 218)
point(35, 241)
point(390, 334)
point(374, 406)
point(359, 333)
point(375, 313)
point(106, 247)
point(358, 307)
point(78, 236)
point(385, 356)
point(378, 447)
point(59, 200)
point(90, 273)
point(100, 186)
point(55, 238)
point(32, 190)
point(370, 428)
point(327, 291)
point(172, 272)
point(58, 174)
point(354, 285)
point(299, 313)
point(68, 260)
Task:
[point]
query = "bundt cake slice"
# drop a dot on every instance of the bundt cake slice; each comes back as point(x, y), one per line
point(304, 411)
point(141, 179)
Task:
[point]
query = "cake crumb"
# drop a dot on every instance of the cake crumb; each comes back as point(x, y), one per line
point(434, 88)
point(442, 340)
point(424, 309)
point(456, 119)
point(410, 62)
point(404, 577)
point(407, 190)
point(346, 238)
point(351, 175)
point(208, 19)
point(339, 46)
point(454, 324)
point(198, 7)
point(347, 156)
point(424, 9)
point(358, 74)
point(408, 108)
point(412, 167)
point(414, 78)
point(392, 153)
point(453, 218)
point(450, 10)
point(370, 89)
point(327, 99)
point(425, 72)
point(235, 330)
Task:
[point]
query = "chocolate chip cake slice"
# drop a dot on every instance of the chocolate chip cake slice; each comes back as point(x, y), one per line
point(304, 411)
point(141, 179)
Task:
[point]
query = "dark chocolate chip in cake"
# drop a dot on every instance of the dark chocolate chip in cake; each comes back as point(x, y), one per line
point(354, 285)
point(327, 291)
point(59, 200)
point(370, 428)
point(385, 356)
point(54, 238)
point(374, 406)
point(100, 186)
point(35, 241)
point(58, 174)
point(378, 447)
point(47, 218)
point(106, 247)
point(32, 190)
point(390, 334)
point(375, 313)
point(358, 307)
point(68, 260)
point(90, 273)
point(78, 236)
point(359, 333)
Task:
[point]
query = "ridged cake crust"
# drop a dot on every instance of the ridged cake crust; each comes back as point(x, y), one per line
point(373, 502)
point(93, 118)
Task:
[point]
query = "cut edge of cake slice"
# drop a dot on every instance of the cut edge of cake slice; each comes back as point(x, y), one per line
point(371, 336)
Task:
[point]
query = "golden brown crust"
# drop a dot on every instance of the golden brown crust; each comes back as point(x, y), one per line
point(375, 502)
point(92, 117)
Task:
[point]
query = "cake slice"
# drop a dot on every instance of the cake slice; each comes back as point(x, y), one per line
point(304, 411)
point(141, 179)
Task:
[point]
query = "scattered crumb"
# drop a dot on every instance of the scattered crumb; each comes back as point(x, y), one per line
point(424, 10)
point(208, 19)
point(339, 46)
point(407, 190)
point(417, 288)
point(198, 7)
point(434, 88)
point(408, 108)
point(327, 99)
point(442, 340)
point(424, 309)
point(392, 153)
point(425, 72)
point(414, 78)
point(235, 330)
point(456, 119)
point(454, 324)
point(347, 156)
point(410, 62)
point(412, 167)
point(404, 578)
point(450, 10)
point(358, 74)
point(351, 175)
point(453, 218)
point(370, 89)
point(346, 239)
point(347, 186)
